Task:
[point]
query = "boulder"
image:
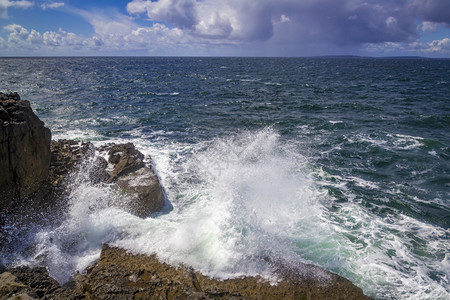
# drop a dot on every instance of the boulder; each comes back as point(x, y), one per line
point(134, 180)
point(138, 187)
point(125, 159)
point(24, 150)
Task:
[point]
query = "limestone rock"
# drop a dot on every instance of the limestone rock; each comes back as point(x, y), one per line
point(24, 150)
point(125, 158)
point(65, 155)
point(119, 274)
point(137, 182)
point(122, 275)
point(33, 283)
point(138, 188)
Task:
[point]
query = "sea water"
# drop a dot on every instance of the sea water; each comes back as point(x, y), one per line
point(339, 162)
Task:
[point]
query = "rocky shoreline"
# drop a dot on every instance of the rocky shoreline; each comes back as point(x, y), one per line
point(37, 173)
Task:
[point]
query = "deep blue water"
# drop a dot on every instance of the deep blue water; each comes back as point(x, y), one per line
point(342, 162)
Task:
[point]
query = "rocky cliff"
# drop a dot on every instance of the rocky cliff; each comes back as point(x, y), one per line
point(24, 150)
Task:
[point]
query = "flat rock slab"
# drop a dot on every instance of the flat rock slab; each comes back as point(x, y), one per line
point(121, 275)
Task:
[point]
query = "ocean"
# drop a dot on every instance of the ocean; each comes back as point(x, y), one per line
point(340, 162)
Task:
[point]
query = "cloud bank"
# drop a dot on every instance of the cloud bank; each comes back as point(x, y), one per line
point(339, 21)
point(378, 26)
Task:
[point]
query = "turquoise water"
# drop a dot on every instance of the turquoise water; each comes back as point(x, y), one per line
point(341, 162)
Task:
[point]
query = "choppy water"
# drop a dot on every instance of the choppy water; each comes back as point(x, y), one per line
point(341, 162)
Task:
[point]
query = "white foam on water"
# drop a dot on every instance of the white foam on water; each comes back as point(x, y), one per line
point(433, 153)
point(273, 83)
point(406, 142)
point(395, 256)
point(389, 141)
point(76, 134)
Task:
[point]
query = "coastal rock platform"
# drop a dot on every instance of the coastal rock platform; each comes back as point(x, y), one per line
point(122, 275)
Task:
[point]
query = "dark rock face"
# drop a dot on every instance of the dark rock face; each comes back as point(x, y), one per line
point(24, 150)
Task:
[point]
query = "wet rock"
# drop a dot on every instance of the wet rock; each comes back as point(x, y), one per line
point(143, 189)
point(34, 283)
point(65, 155)
point(122, 275)
point(24, 150)
point(9, 285)
point(119, 274)
point(97, 172)
point(37, 281)
point(138, 188)
point(138, 183)
point(125, 158)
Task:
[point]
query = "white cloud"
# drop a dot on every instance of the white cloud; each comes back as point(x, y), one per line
point(17, 33)
point(434, 48)
point(117, 31)
point(34, 37)
point(5, 4)
point(428, 26)
point(53, 5)
point(111, 34)
point(105, 25)
point(20, 39)
point(342, 22)
point(284, 19)
point(232, 20)
point(52, 38)
point(440, 45)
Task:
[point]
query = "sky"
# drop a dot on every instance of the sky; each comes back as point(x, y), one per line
point(225, 27)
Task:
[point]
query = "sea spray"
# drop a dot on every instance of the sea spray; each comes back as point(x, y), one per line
point(237, 204)
point(89, 218)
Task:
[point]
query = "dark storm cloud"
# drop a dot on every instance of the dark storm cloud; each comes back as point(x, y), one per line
point(341, 22)
point(356, 22)
point(432, 10)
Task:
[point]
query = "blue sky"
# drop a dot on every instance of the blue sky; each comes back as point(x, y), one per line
point(225, 27)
